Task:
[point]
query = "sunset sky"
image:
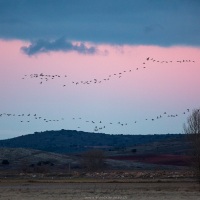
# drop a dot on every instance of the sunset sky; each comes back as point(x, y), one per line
point(104, 66)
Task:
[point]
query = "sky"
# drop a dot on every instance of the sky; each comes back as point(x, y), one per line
point(115, 67)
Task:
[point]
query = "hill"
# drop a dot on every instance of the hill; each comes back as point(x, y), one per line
point(20, 158)
point(54, 150)
point(70, 141)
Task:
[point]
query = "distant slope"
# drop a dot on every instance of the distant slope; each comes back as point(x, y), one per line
point(69, 141)
point(18, 157)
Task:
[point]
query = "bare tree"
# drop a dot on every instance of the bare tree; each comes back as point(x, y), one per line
point(192, 129)
point(94, 159)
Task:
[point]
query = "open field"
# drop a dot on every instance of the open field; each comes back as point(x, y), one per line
point(83, 190)
point(142, 175)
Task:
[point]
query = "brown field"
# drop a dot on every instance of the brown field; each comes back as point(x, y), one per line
point(161, 159)
point(125, 177)
point(84, 189)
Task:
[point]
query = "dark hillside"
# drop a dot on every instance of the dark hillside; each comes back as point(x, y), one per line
point(69, 141)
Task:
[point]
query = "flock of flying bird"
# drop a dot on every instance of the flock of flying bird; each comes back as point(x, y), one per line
point(97, 125)
point(26, 118)
point(168, 61)
point(44, 78)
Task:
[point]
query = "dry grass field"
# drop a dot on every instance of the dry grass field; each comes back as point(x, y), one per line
point(82, 189)
point(135, 177)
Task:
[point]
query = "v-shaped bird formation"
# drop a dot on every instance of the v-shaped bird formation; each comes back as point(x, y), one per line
point(44, 78)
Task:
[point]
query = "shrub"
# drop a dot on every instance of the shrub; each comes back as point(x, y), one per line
point(134, 150)
point(5, 162)
point(94, 160)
